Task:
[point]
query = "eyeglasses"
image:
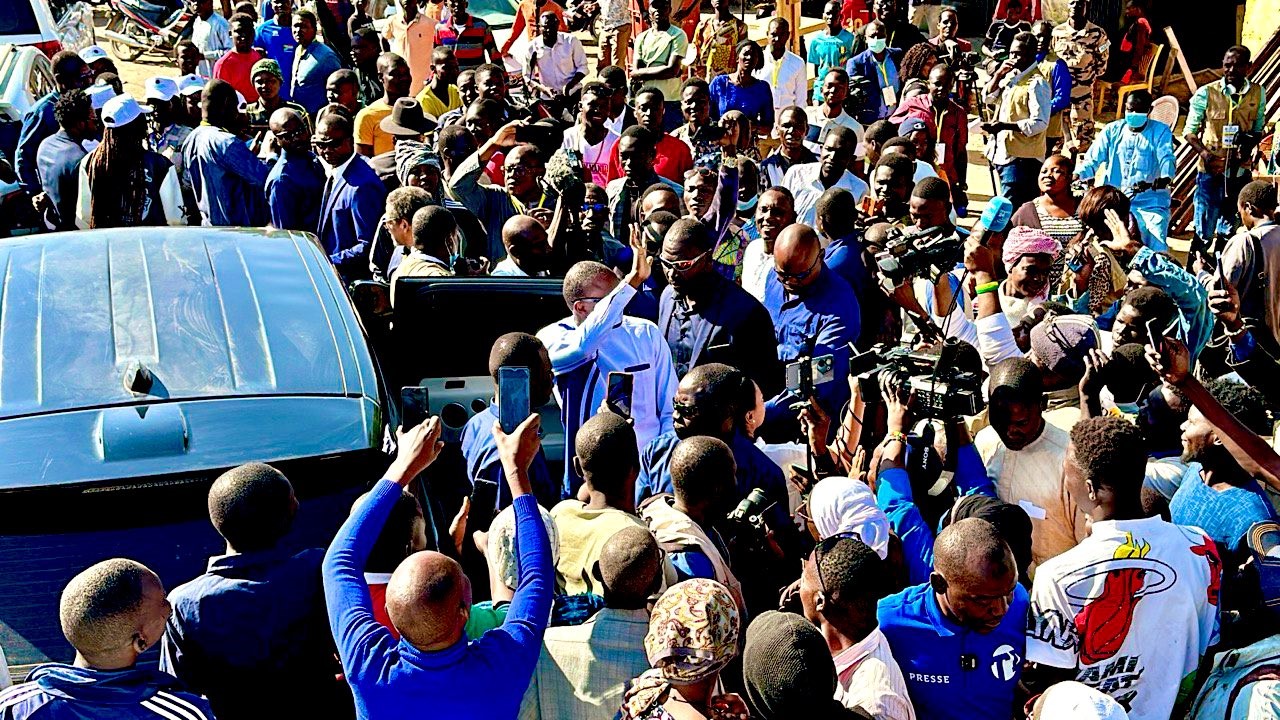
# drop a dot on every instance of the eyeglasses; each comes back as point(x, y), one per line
point(594, 207)
point(588, 299)
point(682, 266)
point(784, 276)
point(516, 171)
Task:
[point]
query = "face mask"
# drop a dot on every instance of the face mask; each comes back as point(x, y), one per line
point(1135, 120)
point(877, 45)
point(748, 205)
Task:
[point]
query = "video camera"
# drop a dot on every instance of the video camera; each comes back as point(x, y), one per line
point(860, 88)
point(928, 253)
point(943, 387)
point(747, 522)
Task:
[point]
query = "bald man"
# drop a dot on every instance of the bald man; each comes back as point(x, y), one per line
point(528, 252)
point(428, 601)
point(815, 313)
point(587, 667)
point(111, 613)
point(959, 638)
point(597, 339)
point(295, 184)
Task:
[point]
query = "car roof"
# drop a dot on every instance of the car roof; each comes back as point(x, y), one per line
point(207, 312)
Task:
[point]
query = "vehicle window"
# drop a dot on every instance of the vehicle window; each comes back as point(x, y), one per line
point(41, 81)
point(58, 8)
point(18, 17)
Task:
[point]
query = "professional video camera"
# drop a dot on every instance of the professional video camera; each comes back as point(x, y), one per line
point(909, 253)
point(860, 88)
point(945, 386)
point(963, 64)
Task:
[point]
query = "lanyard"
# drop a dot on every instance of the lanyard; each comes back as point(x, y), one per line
point(777, 68)
point(938, 118)
point(883, 71)
point(524, 209)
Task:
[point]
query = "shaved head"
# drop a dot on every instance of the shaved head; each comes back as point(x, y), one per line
point(429, 600)
point(112, 608)
point(629, 564)
point(796, 256)
point(966, 549)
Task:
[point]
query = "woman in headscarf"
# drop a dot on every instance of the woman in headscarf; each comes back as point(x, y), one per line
point(418, 165)
point(841, 505)
point(693, 635)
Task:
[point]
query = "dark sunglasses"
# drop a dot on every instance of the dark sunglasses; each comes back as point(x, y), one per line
point(681, 266)
point(784, 276)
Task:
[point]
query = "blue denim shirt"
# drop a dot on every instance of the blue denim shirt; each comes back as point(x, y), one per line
point(226, 178)
point(312, 67)
point(38, 124)
point(481, 452)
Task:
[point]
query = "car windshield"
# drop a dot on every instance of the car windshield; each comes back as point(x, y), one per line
point(18, 17)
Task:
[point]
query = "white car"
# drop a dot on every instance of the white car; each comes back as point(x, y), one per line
point(25, 77)
point(49, 25)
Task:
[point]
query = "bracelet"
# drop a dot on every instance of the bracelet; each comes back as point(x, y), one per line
point(1238, 333)
point(896, 435)
point(987, 287)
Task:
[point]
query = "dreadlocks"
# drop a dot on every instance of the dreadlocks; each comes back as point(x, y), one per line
point(117, 178)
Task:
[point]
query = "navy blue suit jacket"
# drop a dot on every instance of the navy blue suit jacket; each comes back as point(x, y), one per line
point(349, 217)
point(864, 65)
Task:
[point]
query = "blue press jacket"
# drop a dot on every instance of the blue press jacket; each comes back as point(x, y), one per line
point(64, 692)
point(349, 217)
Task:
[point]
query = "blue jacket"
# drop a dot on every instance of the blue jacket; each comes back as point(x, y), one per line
point(225, 177)
point(483, 679)
point(349, 217)
point(755, 470)
point(1188, 294)
point(255, 622)
point(865, 65)
point(65, 692)
point(38, 124)
point(295, 188)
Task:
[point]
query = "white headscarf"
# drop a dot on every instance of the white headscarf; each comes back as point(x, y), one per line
point(844, 505)
point(1076, 701)
point(500, 549)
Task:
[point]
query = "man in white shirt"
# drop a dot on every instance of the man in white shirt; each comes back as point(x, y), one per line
point(597, 339)
point(1132, 609)
point(556, 63)
point(784, 70)
point(807, 182)
point(591, 137)
point(1024, 456)
point(830, 112)
point(775, 211)
point(211, 34)
point(840, 584)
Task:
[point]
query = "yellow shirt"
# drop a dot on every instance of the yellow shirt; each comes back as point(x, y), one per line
point(434, 107)
point(583, 533)
point(367, 130)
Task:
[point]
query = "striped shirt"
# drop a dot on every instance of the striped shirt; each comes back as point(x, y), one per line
point(469, 42)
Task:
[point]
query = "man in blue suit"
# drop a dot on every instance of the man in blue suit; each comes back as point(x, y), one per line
point(878, 65)
point(353, 199)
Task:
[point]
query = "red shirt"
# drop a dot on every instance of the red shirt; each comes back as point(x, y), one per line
point(234, 67)
point(674, 159)
point(378, 595)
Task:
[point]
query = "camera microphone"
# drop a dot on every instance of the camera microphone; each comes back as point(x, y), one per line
point(968, 662)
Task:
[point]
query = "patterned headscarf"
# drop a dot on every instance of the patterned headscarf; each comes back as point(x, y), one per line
point(1023, 240)
point(693, 634)
point(410, 154)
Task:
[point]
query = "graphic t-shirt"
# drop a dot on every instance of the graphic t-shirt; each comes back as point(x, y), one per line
point(595, 158)
point(828, 51)
point(1132, 608)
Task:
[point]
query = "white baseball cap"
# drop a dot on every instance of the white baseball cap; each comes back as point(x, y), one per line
point(160, 88)
point(122, 110)
point(93, 53)
point(241, 103)
point(99, 94)
point(190, 84)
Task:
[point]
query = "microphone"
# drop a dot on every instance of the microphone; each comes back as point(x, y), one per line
point(994, 219)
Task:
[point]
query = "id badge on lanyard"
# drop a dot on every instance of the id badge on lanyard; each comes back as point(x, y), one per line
point(1229, 133)
point(887, 92)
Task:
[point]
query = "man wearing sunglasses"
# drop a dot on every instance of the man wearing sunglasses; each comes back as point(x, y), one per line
point(815, 313)
point(840, 584)
point(597, 339)
point(706, 318)
point(353, 201)
point(296, 182)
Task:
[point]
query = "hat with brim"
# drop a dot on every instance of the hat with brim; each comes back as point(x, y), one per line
point(407, 119)
point(191, 84)
point(122, 110)
point(911, 125)
point(93, 54)
point(100, 95)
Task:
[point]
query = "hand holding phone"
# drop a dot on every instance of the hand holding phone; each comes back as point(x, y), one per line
point(413, 406)
point(513, 397)
point(618, 394)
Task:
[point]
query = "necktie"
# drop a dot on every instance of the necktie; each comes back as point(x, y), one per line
point(324, 206)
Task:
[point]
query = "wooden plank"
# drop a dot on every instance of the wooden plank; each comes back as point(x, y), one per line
point(1182, 61)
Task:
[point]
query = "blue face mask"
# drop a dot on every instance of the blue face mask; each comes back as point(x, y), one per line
point(877, 45)
point(748, 205)
point(1135, 120)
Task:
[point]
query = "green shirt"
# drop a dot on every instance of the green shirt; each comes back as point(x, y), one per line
point(655, 48)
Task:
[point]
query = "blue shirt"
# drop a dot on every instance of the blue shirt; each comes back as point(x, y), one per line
point(279, 44)
point(38, 124)
point(226, 178)
point(895, 497)
point(54, 691)
point(823, 320)
point(1190, 296)
point(755, 470)
point(881, 74)
point(58, 161)
point(483, 679)
point(1226, 515)
point(251, 625)
point(481, 452)
point(929, 648)
point(1060, 84)
point(1132, 157)
point(295, 187)
point(754, 101)
point(312, 67)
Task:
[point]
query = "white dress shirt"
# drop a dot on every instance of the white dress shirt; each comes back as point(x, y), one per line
point(558, 63)
point(804, 183)
point(507, 268)
point(617, 343)
point(213, 38)
point(789, 79)
point(868, 677)
point(756, 266)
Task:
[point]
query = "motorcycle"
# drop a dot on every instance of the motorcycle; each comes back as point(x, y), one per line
point(138, 27)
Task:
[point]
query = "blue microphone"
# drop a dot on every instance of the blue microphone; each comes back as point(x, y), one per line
point(996, 217)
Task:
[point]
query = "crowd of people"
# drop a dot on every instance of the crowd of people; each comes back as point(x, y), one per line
point(871, 464)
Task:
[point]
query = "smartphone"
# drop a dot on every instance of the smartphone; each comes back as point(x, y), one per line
point(513, 397)
point(413, 406)
point(1156, 335)
point(484, 504)
point(618, 393)
point(535, 134)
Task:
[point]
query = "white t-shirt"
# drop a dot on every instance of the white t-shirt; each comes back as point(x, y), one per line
point(594, 157)
point(1133, 607)
point(756, 266)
